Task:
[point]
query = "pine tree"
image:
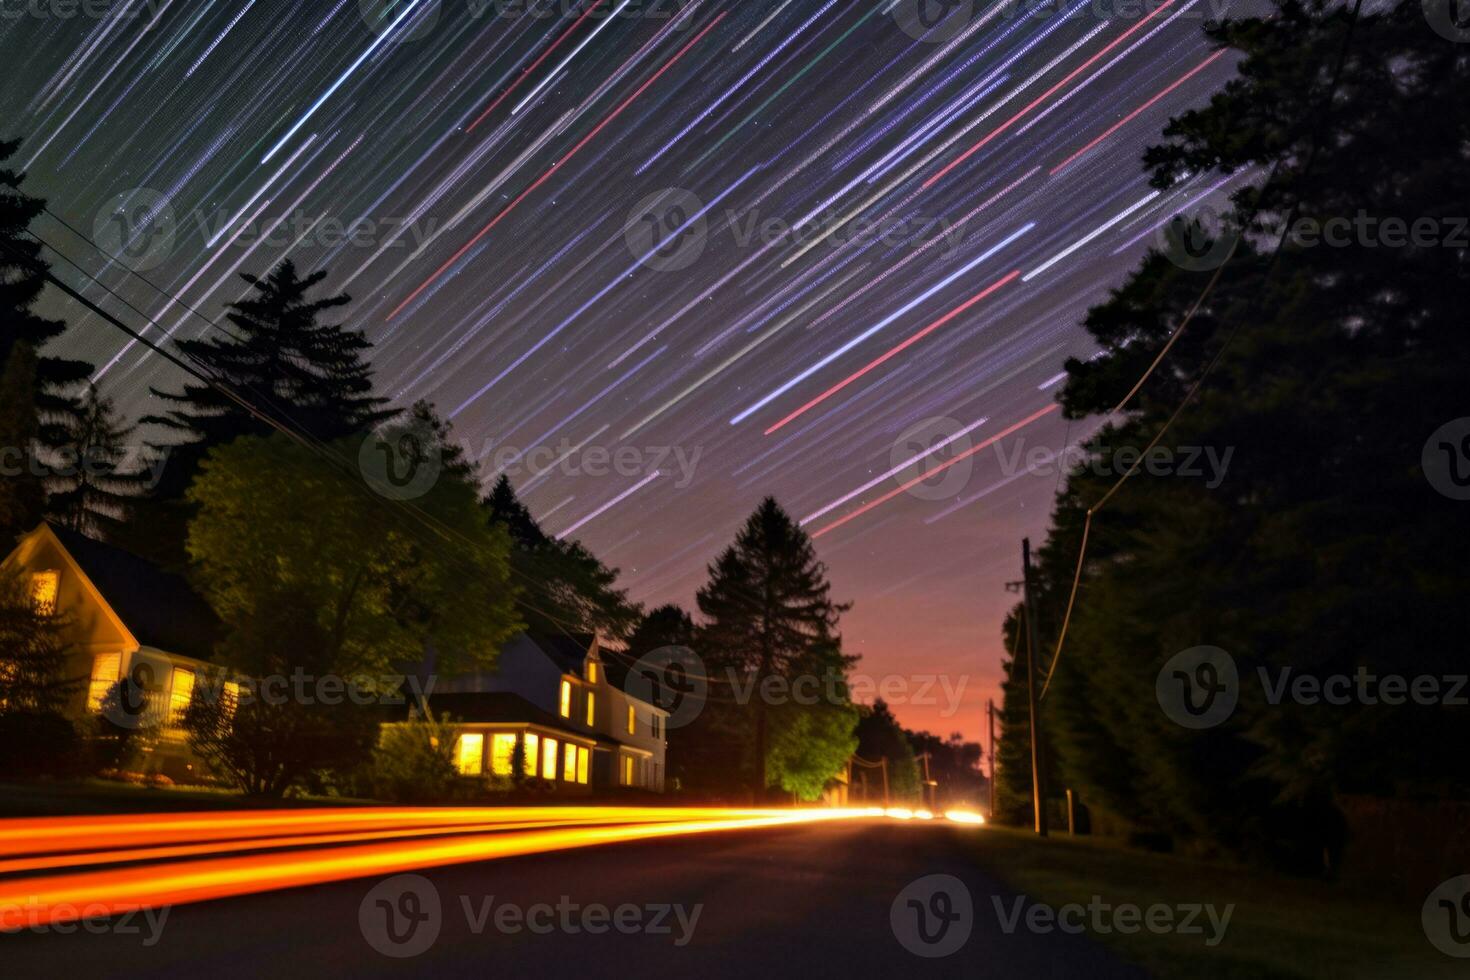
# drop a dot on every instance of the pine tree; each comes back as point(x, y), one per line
point(22, 494)
point(95, 480)
point(768, 613)
point(567, 588)
point(309, 376)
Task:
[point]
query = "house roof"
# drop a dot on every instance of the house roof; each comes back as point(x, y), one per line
point(505, 707)
point(158, 607)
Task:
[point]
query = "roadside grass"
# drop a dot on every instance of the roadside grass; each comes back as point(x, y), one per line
point(1281, 927)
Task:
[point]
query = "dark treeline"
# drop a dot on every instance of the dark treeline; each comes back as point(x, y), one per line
point(1329, 548)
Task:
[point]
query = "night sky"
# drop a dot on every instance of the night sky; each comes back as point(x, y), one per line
point(575, 231)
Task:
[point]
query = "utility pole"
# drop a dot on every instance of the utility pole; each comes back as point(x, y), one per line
point(1038, 790)
point(931, 788)
point(886, 802)
point(990, 714)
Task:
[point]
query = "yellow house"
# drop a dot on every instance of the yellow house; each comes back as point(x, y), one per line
point(123, 617)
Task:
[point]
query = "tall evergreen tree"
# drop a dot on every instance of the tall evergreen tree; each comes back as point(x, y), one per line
point(97, 475)
point(768, 613)
point(22, 493)
point(310, 376)
point(566, 586)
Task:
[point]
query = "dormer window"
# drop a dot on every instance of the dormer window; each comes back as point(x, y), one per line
point(591, 671)
point(591, 710)
point(566, 698)
point(44, 588)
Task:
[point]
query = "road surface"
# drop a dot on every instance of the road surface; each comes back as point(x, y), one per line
point(806, 901)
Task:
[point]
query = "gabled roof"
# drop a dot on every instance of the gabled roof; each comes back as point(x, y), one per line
point(497, 706)
point(157, 607)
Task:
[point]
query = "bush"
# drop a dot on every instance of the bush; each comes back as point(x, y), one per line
point(414, 761)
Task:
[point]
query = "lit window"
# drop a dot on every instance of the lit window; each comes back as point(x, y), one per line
point(469, 754)
point(566, 699)
point(581, 765)
point(231, 699)
point(105, 670)
point(569, 767)
point(592, 671)
point(627, 770)
point(528, 763)
point(44, 586)
point(591, 710)
point(502, 749)
point(632, 720)
point(548, 758)
point(180, 693)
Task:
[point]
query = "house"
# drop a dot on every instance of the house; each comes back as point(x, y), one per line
point(123, 618)
point(560, 704)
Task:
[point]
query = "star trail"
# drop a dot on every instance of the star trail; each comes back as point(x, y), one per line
point(777, 236)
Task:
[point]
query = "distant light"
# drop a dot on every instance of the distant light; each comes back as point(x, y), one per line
point(964, 816)
point(924, 815)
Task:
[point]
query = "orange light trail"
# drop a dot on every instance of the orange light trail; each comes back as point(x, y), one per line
point(58, 898)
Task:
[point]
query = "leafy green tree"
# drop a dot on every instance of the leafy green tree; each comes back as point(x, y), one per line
point(810, 747)
point(89, 490)
point(1322, 550)
point(768, 615)
point(567, 587)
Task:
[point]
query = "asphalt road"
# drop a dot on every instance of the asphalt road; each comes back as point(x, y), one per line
point(806, 902)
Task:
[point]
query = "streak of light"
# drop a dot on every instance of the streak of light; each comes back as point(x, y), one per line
point(897, 349)
point(613, 502)
point(881, 324)
point(575, 51)
point(1045, 95)
point(938, 469)
point(1090, 236)
point(556, 166)
point(532, 66)
point(377, 42)
point(964, 816)
point(1135, 113)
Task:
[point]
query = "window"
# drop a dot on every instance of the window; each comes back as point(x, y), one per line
point(581, 764)
point(105, 670)
point(180, 693)
point(569, 763)
point(231, 699)
point(502, 750)
point(591, 710)
point(528, 764)
point(632, 720)
point(591, 671)
point(469, 754)
point(44, 586)
point(566, 699)
point(627, 770)
point(655, 726)
point(548, 758)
